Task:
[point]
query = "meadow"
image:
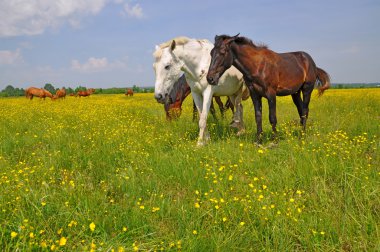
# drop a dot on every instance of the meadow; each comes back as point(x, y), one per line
point(109, 173)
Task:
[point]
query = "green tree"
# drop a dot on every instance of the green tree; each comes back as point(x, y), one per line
point(49, 87)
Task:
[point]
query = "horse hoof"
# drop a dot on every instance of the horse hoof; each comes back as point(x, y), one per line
point(235, 124)
point(240, 132)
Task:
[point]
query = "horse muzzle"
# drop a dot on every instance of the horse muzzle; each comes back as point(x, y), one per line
point(213, 80)
point(160, 98)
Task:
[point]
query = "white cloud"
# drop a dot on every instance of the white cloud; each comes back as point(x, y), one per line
point(96, 65)
point(133, 11)
point(10, 57)
point(25, 17)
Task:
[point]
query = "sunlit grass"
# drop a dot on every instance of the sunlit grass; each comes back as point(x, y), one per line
point(108, 172)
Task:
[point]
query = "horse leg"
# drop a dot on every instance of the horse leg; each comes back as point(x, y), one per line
point(230, 105)
point(298, 102)
point(257, 104)
point(237, 121)
point(272, 113)
point(307, 89)
point(220, 104)
point(195, 111)
point(212, 110)
point(200, 103)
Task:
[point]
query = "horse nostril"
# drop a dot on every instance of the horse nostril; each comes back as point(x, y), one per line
point(210, 80)
point(158, 97)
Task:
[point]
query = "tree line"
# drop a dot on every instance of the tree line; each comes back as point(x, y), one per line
point(10, 91)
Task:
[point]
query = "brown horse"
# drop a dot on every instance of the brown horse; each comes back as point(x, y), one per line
point(61, 93)
point(39, 92)
point(129, 92)
point(180, 90)
point(268, 74)
point(87, 92)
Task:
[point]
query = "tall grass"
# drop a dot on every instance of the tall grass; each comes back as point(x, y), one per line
point(108, 172)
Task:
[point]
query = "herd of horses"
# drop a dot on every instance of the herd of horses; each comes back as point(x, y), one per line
point(228, 66)
point(233, 66)
point(60, 93)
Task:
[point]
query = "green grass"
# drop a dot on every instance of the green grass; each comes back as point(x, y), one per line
point(115, 161)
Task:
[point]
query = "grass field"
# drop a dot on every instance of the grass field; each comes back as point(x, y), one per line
point(109, 173)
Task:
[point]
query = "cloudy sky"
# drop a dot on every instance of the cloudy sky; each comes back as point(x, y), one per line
point(109, 43)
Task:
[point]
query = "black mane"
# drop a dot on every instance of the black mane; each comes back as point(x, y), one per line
point(241, 41)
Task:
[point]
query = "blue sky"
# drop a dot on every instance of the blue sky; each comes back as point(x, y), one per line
point(109, 43)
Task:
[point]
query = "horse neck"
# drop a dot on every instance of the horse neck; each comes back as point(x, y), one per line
point(196, 59)
point(243, 58)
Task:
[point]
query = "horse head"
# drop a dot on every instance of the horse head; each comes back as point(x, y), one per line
point(221, 58)
point(167, 68)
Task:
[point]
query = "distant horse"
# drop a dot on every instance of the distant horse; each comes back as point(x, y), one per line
point(87, 92)
point(192, 56)
point(181, 89)
point(61, 93)
point(268, 74)
point(129, 92)
point(39, 92)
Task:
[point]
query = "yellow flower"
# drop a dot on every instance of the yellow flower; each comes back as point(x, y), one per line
point(62, 241)
point(224, 219)
point(196, 205)
point(124, 229)
point(260, 151)
point(242, 223)
point(31, 235)
point(13, 234)
point(92, 226)
point(195, 232)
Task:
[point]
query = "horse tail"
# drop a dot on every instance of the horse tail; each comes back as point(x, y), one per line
point(323, 82)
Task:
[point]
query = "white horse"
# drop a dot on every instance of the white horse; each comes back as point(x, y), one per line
point(192, 57)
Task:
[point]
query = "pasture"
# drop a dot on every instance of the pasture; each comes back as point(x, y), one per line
point(109, 173)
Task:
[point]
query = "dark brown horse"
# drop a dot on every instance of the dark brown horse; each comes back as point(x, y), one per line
point(180, 90)
point(268, 74)
point(87, 92)
point(39, 92)
point(129, 92)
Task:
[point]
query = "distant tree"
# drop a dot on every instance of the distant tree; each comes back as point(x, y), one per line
point(69, 90)
point(49, 87)
point(80, 88)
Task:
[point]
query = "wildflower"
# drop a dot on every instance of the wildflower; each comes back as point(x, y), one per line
point(242, 223)
point(142, 207)
point(322, 233)
point(260, 151)
point(92, 226)
point(224, 219)
point(43, 203)
point(230, 177)
point(291, 200)
point(13, 234)
point(31, 235)
point(125, 229)
point(155, 209)
point(62, 241)
point(195, 232)
point(196, 205)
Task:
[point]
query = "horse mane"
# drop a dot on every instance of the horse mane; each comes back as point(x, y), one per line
point(181, 40)
point(244, 41)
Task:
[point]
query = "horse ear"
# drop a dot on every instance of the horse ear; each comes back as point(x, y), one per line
point(157, 47)
point(237, 35)
point(172, 46)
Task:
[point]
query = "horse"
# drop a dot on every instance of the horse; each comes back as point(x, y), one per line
point(39, 92)
point(87, 92)
point(179, 92)
point(192, 57)
point(268, 74)
point(61, 93)
point(129, 92)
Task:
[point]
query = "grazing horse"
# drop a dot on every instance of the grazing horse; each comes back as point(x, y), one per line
point(179, 92)
point(192, 57)
point(61, 93)
point(268, 74)
point(87, 92)
point(129, 92)
point(39, 92)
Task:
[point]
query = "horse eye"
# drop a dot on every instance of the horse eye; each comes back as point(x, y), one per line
point(167, 67)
